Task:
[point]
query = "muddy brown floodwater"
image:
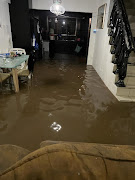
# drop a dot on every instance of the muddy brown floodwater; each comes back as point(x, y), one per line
point(65, 101)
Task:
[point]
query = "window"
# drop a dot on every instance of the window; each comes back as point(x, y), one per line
point(62, 26)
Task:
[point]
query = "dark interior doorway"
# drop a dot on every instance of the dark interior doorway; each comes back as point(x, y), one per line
point(66, 34)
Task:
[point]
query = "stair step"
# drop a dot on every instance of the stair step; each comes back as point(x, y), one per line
point(130, 11)
point(130, 70)
point(133, 32)
point(130, 87)
point(131, 59)
point(132, 54)
point(131, 18)
point(128, 5)
point(125, 99)
point(126, 91)
point(132, 25)
point(132, 1)
point(130, 81)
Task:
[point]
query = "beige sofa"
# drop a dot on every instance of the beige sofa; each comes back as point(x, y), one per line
point(75, 161)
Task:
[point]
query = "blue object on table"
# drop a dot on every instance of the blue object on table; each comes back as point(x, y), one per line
point(13, 62)
point(5, 55)
point(95, 31)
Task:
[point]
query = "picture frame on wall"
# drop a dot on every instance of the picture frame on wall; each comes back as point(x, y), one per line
point(101, 16)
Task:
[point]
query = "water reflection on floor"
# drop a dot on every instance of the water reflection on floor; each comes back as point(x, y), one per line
point(66, 101)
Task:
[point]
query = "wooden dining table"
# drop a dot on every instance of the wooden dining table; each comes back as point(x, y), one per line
point(13, 63)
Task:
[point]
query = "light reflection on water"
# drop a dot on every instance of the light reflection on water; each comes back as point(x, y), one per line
point(66, 101)
point(56, 127)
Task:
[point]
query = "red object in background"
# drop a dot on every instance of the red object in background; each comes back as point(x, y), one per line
point(78, 39)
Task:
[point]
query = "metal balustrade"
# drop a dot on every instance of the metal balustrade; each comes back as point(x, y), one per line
point(121, 39)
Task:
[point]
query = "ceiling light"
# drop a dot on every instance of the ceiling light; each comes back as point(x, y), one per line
point(64, 22)
point(57, 8)
point(56, 20)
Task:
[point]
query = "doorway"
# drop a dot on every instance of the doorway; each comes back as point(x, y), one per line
point(66, 34)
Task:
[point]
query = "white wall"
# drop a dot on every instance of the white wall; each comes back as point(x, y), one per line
point(99, 50)
point(70, 5)
point(5, 27)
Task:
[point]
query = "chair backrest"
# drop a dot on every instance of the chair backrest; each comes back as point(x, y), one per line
point(18, 51)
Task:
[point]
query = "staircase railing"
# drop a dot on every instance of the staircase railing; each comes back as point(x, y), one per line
point(121, 39)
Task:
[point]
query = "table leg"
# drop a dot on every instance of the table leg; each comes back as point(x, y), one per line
point(15, 79)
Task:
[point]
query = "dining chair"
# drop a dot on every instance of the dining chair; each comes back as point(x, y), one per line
point(24, 72)
point(18, 51)
point(21, 52)
point(27, 71)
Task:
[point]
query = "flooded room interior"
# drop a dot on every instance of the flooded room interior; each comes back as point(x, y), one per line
point(67, 89)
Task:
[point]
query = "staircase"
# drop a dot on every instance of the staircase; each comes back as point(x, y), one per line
point(126, 87)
